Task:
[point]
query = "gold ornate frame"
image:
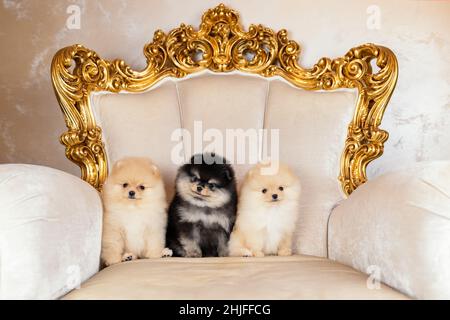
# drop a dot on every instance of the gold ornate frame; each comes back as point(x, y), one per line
point(222, 45)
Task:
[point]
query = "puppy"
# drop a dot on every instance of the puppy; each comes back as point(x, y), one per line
point(135, 212)
point(267, 212)
point(203, 211)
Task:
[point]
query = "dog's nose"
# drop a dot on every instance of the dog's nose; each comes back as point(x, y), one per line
point(199, 188)
point(131, 193)
point(274, 196)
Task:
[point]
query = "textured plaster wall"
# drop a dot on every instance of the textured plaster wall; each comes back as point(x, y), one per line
point(31, 31)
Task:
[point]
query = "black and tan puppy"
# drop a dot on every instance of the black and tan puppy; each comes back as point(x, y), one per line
point(203, 211)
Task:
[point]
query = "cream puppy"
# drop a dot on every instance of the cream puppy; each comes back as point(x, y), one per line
point(268, 208)
point(135, 212)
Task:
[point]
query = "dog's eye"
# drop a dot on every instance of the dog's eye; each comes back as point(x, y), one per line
point(211, 186)
point(142, 187)
point(264, 190)
point(125, 185)
point(281, 188)
point(194, 179)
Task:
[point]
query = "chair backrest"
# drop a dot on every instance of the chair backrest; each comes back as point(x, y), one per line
point(249, 81)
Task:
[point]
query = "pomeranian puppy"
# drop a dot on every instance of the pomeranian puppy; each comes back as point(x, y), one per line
point(135, 212)
point(267, 213)
point(203, 210)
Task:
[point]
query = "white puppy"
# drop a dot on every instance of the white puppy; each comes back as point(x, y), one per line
point(135, 212)
point(267, 213)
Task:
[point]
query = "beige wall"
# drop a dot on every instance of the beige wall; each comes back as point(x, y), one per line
point(31, 31)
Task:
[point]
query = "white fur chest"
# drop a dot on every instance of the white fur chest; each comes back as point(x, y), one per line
point(276, 224)
point(134, 227)
point(207, 219)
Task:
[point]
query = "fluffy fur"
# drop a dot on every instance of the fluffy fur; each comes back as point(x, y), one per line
point(135, 212)
point(267, 212)
point(203, 211)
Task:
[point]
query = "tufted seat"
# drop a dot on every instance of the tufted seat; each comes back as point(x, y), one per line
point(296, 277)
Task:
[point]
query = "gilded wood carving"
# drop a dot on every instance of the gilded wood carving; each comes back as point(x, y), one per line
point(222, 45)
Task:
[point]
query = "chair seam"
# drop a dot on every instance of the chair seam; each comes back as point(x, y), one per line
point(180, 118)
point(264, 120)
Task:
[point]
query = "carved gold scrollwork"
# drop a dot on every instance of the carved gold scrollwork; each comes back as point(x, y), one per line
point(221, 45)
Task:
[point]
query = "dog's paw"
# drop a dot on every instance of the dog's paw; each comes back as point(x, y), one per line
point(193, 254)
point(258, 254)
point(108, 263)
point(166, 252)
point(109, 260)
point(246, 253)
point(127, 256)
point(285, 252)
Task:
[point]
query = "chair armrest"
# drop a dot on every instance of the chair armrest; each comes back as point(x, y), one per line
point(50, 232)
point(399, 224)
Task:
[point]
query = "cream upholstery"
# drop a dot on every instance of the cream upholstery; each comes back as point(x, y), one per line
point(296, 277)
point(399, 223)
point(313, 128)
point(140, 125)
point(50, 232)
point(312, 131)
point(223, 102)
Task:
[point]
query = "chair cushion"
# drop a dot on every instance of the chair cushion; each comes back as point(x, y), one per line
point(399, 222)
point(50, 232)
point(295, 277)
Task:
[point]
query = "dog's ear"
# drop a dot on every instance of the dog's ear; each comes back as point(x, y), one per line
point(118, 164)
point(229, 174)
point(155, 169)
point(252, 171)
